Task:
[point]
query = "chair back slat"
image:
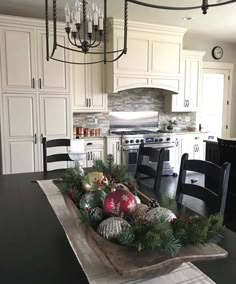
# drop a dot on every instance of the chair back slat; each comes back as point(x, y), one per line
point(146, 170)
point(58, 143)
point(215, 198)
point(156, 156)
point(59, 157)
point(203, 167)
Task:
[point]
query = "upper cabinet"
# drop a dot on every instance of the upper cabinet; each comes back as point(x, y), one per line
point(52, 75)
point(18, 59)
point(189, 96)
point(153, 58)
point(24, 64)
point(88, 84)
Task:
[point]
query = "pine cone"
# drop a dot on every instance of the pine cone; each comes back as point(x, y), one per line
point(153, 204)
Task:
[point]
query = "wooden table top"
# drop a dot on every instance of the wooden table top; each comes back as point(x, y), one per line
point(34, 248)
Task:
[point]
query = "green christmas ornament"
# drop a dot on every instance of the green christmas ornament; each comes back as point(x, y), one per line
point(91, 200)
point(96, 215)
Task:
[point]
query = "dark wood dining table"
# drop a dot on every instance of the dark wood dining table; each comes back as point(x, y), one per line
point(34, 248)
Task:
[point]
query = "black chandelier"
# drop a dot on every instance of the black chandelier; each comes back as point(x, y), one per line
point(86, 27)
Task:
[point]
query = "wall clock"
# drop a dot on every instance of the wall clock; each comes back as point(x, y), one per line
point(217, 52)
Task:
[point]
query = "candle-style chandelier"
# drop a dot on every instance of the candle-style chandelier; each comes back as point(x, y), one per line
point(86, 27)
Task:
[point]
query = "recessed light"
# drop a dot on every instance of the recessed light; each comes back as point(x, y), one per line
point(187, 18)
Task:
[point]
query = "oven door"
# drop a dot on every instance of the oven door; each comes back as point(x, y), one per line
point(129, 158)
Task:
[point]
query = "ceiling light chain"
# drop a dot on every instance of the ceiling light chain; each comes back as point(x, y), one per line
point(86, 35)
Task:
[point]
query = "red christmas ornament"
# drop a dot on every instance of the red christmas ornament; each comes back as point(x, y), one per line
point(120, 203)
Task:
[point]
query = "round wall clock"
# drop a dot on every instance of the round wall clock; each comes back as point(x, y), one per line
point(217, 52)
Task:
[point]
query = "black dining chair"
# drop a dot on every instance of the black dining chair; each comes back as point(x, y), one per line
point(227, 153)
point(58, 157)
point(214, 195)
point(143, 171)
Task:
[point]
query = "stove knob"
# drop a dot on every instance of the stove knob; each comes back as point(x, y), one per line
point(142, 141)
point(137, 141)
point(160, 140)
point(126, 141)
point(156, 140)
point(131, 141)
point(167, 139)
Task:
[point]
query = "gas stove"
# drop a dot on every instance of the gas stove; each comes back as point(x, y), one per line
point(136, 137)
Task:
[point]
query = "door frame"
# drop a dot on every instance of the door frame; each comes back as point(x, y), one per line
point(224, 67)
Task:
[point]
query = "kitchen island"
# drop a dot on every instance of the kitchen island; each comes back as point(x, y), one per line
point(35, 250)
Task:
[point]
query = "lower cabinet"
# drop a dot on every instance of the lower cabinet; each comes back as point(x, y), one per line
point(94, 149)
point(189, 143)
point(113, 147)
point(26, 118)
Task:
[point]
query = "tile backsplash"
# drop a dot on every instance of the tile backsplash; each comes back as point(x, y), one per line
point(134, 100)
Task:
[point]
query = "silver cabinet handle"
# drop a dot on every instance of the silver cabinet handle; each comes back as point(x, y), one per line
point(86, 102)
point(89, 102)
point(187, 103)
point(35, 138)
point(88, 156)
point(176, 142)
point(40, 83)
point(33, 83)
point(184, 103)
point(91, 156)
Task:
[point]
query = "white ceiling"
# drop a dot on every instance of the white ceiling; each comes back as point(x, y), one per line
point(219, 24)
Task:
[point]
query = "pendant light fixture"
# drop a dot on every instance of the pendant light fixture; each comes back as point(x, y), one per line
point(86, 27)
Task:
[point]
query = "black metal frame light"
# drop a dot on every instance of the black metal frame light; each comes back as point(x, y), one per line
point(92, 38)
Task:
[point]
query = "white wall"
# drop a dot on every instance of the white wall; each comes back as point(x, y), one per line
point(197, 42)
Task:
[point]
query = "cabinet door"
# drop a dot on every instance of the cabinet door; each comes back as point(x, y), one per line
point(191, 88)
point(53, 76)
point(95, 84)
point(20, 134)
point(165, 57)
point(55, 116)
point(18, 59)
point(88, 84)
point(188, 143)
point(113, 148)
point(79, 100)
point(132, 62)
point(55, 123)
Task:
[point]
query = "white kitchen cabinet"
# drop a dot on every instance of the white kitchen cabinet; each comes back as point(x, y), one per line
point(88, 84)
point(53, 76)
point(17, 59)
point(24, 64)
point(188, 98)
point(94, 149)
point(191, 144)
point(23, 125)
point(114, 148)
point(153, 58)
point(19, 133)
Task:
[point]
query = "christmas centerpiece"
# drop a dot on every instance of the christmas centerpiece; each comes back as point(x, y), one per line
point(124, 222)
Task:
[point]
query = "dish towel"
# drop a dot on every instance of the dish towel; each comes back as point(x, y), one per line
point(95, 270)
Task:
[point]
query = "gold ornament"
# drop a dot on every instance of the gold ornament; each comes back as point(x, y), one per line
point(158, 213)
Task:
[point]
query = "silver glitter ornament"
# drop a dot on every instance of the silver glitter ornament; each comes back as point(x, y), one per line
point(112, 227)
point(160, 213)
point(96, 215)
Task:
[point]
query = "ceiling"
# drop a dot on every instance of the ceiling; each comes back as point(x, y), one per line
point(219, 23)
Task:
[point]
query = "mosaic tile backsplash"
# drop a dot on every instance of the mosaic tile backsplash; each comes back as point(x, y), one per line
point(134, 100)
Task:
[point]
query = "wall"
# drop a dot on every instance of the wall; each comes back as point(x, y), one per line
point(197, 42)
point(134, 100)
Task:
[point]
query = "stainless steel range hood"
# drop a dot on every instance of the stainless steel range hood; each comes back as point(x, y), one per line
point(138, 119)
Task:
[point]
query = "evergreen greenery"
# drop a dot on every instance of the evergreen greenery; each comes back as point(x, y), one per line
point(114, 173)
point(144, 235)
